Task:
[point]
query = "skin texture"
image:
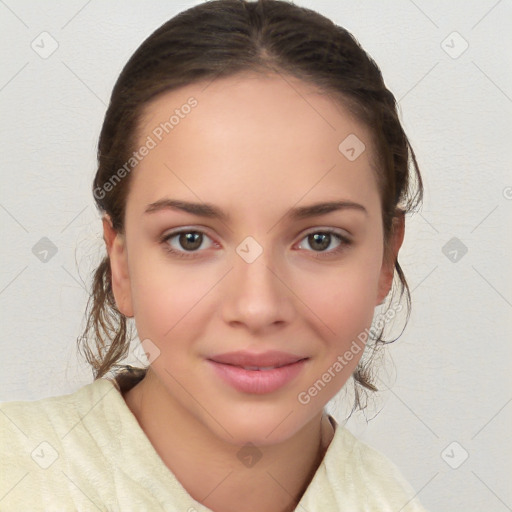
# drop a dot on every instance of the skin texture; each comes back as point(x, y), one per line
point(254, 146)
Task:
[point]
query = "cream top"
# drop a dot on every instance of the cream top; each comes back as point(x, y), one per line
point(86, 451)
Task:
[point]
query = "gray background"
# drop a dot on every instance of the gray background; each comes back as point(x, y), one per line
point(449, 374)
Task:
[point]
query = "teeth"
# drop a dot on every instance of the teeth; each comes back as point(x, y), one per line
point(259, 367)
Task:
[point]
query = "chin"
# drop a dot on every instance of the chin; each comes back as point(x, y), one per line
point(260, 426)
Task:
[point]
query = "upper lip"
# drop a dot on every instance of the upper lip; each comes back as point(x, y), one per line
point(265, 359)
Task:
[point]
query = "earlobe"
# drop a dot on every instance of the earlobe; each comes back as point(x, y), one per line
point(116, 248)
point(390, 257)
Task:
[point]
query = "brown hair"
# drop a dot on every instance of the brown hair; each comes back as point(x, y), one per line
point(219, 39)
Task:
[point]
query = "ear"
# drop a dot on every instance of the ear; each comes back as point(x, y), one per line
point(117, 252)
point(391, 249)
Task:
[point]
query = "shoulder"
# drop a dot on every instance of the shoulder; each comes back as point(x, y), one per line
point(368, 475)
point(25, 419)
point(39, 442)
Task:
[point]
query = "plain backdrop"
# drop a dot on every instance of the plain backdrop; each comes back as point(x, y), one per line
point(445, 419)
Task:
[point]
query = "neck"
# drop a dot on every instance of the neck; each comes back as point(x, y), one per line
point(218, 474)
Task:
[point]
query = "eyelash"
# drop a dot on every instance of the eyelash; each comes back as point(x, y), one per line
point(344, 243)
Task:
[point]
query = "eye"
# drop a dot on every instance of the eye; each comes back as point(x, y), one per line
point(321, 240)
point(185, 243)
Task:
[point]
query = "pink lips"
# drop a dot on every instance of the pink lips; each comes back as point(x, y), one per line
point(257, 373)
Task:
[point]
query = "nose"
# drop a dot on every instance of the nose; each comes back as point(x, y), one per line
point(256, 295)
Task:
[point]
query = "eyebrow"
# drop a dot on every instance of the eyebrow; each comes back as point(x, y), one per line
point(213, 212)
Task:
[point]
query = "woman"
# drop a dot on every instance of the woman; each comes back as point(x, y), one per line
point(253, 179)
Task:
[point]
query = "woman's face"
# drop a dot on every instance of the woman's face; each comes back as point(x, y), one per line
point(267, 274)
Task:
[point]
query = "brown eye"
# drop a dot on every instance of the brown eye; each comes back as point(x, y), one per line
point(320, 241)
point(190, 241)
point(185, 243)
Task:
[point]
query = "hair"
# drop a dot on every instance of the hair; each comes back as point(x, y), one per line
point(222, 38)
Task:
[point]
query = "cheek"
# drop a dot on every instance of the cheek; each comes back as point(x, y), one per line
point(165, 295)
point(346, 304)
point(348, 312)
point(348, 294)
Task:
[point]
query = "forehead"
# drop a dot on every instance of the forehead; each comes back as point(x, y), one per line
point(252, 138)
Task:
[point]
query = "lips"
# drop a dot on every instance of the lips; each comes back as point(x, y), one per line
point(257, 362)
point(249, 372)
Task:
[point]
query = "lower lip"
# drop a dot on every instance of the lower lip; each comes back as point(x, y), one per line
point(257, 381)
